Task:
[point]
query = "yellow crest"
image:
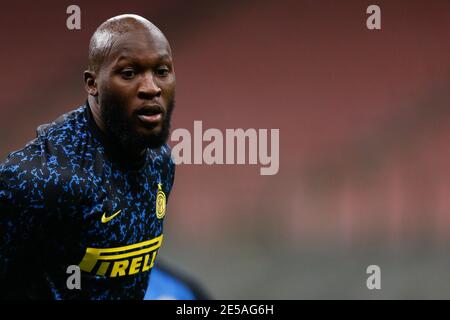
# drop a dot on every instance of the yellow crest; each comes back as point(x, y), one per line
point(160, 202)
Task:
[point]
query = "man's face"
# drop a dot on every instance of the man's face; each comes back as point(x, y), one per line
point(137, 90)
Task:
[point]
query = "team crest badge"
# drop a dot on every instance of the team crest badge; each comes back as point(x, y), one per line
point(160, 202)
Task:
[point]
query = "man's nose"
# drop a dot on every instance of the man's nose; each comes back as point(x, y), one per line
point(148, 87)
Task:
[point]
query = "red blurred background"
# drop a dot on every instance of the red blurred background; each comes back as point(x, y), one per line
point(364, 119)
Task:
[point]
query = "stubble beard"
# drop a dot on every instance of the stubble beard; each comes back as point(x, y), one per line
point(120, 128)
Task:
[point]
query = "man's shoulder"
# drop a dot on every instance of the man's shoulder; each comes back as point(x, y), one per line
point(50, 137)
point(163, 164)
point(162, 153)
point(18, 162)
point(29, 167)
point(19, 172)
point(67, 127)
point(161, 158)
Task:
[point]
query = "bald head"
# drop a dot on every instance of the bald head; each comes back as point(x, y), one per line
point(111, 30)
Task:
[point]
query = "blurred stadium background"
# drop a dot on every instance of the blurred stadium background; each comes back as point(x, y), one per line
point(364, 119)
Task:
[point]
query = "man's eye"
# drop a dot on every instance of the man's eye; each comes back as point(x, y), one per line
point(128, 74)
point(162, 72)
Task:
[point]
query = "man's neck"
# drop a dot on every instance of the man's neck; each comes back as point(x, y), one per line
point(133, 154)
point(96, 113)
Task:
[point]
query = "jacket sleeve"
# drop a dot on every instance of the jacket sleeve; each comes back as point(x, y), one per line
point(17, 245)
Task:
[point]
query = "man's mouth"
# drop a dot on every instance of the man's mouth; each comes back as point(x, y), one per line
point(150, 114)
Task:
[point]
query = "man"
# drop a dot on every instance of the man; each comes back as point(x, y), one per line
point(91, 189)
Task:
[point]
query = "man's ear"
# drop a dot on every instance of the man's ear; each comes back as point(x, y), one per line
point(90, 83)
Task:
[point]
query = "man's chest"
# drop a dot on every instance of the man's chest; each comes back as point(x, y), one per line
point(122, 225)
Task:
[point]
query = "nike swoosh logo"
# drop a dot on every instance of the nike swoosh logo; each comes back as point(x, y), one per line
point(105, 219)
